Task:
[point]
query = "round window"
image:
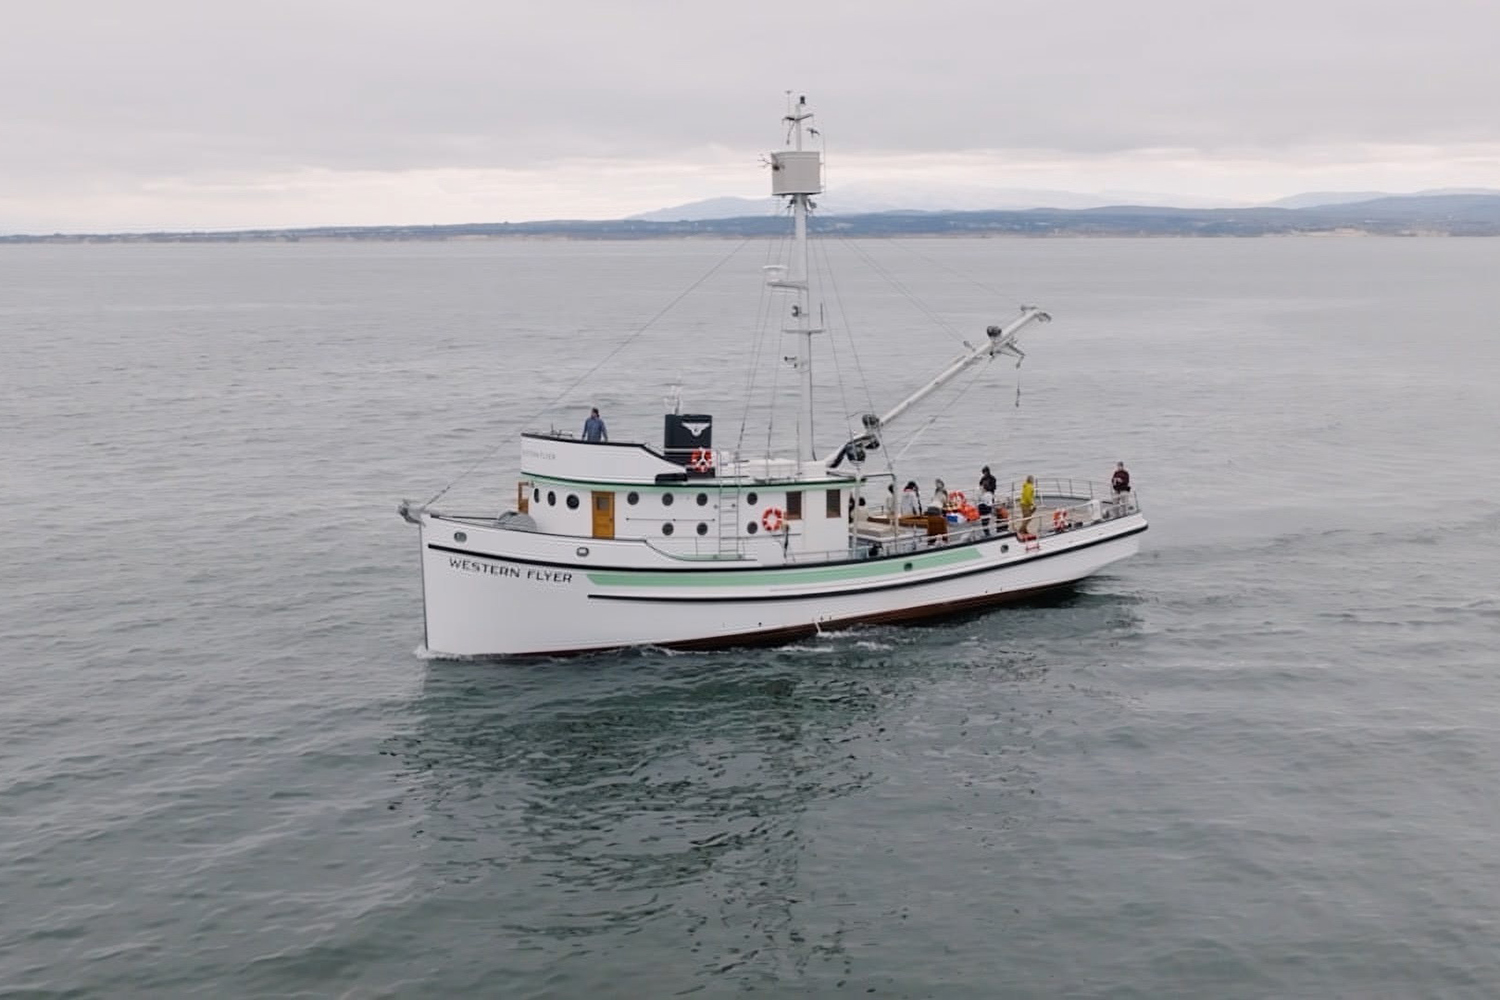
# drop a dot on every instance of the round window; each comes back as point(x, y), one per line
point(750, 498)
point(751, 528)
point(702, 499)
point(666, 529)
point(572, 501)
point(536, 495)
point(702, 528)
point(632, 497)
point(459, 536)
point(666, 499)
point(551, 499)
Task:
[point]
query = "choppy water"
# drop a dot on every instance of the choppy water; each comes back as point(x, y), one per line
point(1258, 760)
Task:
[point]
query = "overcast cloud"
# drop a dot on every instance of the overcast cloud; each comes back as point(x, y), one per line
point(164, 114)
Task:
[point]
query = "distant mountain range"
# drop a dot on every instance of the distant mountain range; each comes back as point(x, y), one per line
point(1315, 199)
point(868, 199)
point(1436, 213)
point(873, 199)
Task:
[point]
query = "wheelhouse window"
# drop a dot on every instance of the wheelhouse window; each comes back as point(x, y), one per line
point(834, 499)
point(794, 506)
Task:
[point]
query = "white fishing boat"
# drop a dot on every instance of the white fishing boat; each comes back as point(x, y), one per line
point(614, 544)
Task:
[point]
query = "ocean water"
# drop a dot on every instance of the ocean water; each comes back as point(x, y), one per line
point(1260, 759)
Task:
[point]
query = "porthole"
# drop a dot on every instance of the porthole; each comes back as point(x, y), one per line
point(666, 499)
point(632, 497)
point(1004, 548)
point(666, 529)
point(551, 499)
point(751, 528)
point(582, 551)
point(572, 501)
point(702, 528)
point(459, 536)
point(702, 499)
point(750, 498)
point(536, 495)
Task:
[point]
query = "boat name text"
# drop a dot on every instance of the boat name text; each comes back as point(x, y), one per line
point(537, 453)
point(533, 573)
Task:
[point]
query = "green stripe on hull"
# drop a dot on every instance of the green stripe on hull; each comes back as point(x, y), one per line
point(791, 575)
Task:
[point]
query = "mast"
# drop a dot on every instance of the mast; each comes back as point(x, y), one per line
point(797, 174)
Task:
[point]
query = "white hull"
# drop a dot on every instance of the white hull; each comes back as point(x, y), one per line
point(506, 593)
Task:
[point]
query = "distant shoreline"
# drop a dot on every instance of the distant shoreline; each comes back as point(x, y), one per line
point(1433, 215)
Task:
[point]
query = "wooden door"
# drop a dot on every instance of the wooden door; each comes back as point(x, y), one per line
point(604, 515)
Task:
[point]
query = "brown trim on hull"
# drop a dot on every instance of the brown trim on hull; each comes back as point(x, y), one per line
point(926, 612)
point(790, 633)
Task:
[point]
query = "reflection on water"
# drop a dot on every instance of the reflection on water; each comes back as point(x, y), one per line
point(637, 771)
point(680, 796)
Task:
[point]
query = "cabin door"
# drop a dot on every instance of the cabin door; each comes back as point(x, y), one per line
point(604, 515)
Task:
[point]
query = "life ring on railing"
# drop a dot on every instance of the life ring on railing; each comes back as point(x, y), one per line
point(1059, 520)
point(702, 460)
point(772, 519)
point(956, 498)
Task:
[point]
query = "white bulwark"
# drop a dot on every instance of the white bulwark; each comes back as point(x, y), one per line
point(614, 544)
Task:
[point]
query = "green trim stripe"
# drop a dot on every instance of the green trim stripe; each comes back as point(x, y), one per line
point(788, 575)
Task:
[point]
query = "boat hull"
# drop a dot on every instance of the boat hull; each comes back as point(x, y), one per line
point(503, 593)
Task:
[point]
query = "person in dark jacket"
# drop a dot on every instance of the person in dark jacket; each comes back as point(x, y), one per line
point(593, 428)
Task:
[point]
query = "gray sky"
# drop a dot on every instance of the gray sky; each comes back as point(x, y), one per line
point(138, 114)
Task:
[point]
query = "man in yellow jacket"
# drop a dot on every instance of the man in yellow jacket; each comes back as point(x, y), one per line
point(1028, 504)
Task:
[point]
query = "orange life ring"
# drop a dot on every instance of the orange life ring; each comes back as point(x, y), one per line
point(956, 498)
point(772, 519)
point(702, 460)
point(1059, 520)
point(970, 512)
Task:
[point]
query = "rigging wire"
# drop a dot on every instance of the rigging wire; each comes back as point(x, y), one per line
point(978, 370)
point(602, 362)
point(833, 350)
point(779, 361)
point(951, 270)
point(763, 317)
point(900, 287)
point(859, 367)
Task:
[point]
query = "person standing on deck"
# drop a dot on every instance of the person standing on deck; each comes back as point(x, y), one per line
point(594, 430)
point(911, 501)
point(1120, 481)
point(1028, 504)
point(986, 505)
point(939, 497)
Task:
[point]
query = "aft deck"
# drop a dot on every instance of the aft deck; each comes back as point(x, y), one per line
point(1062, 505)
